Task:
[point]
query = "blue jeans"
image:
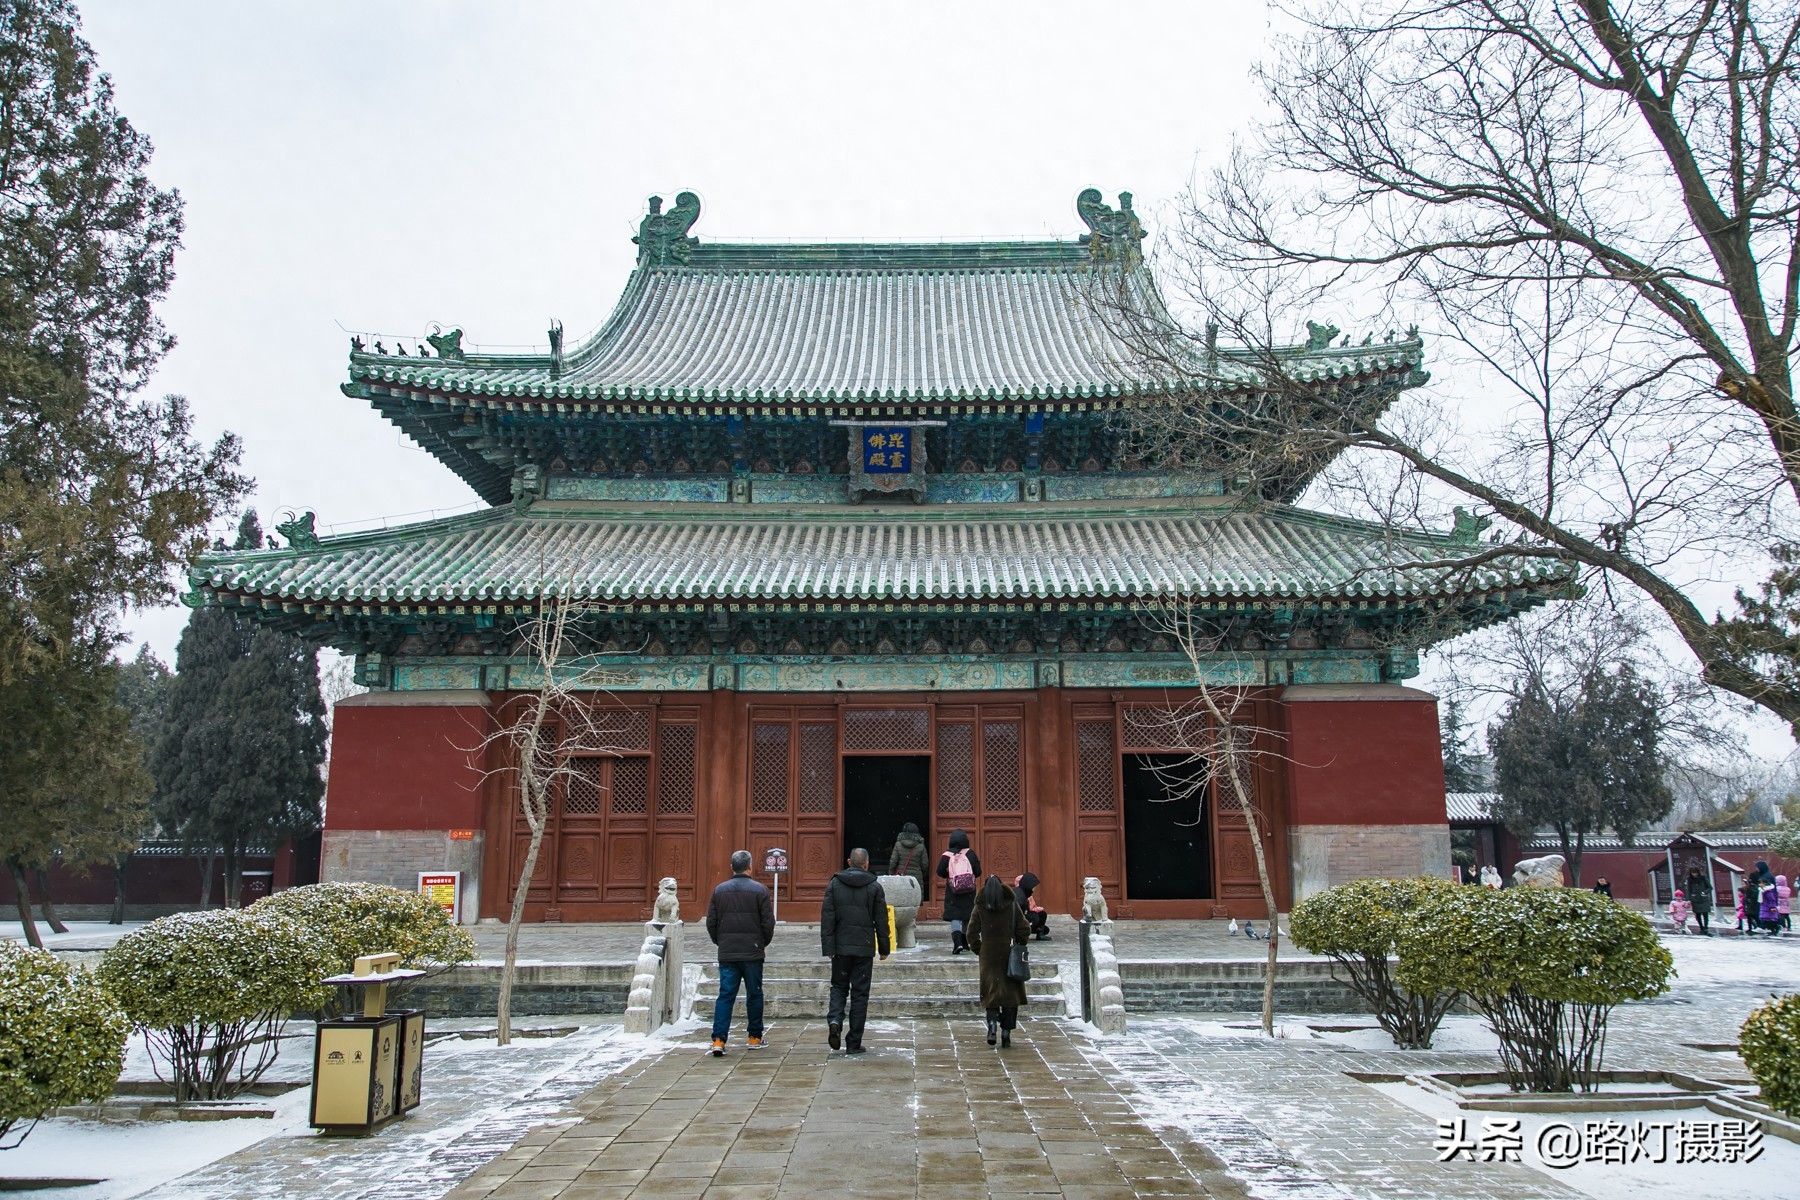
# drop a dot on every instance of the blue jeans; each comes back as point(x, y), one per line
point(730, 975)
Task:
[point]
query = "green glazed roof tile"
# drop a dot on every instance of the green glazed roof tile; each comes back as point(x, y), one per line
point(1045, 553)
point(840, 323)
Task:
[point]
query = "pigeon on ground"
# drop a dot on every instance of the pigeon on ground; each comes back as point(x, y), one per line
point(1250, 930)
point(1232, 928)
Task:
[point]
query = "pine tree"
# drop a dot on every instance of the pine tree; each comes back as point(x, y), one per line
point(1462, 766)
point(238, 764)
point(72, 779)
point(1584, 762)
point(144, 686)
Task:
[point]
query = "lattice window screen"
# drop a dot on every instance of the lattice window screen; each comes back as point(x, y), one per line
point(616, 729)
point(1000, 766)
point(887, 729)
point(956, 768)
point(1165, 729)
point(675, 771)
point(818, 768)
point(1244, 742)
point(769, 769)
point(630, 786)
point(581, 798)
point(1095, 766)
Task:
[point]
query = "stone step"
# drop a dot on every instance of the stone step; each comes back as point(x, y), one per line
point(945, 969)
point(900, 989)
point(881, 1007)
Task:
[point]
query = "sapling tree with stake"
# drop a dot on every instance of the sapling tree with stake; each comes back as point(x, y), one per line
point(536, 736)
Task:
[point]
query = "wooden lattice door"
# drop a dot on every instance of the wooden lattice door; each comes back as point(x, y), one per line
point(618, 819)
point(794, 795)
point(981, 786)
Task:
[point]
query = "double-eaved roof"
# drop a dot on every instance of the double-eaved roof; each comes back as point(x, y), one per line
point(774, 341)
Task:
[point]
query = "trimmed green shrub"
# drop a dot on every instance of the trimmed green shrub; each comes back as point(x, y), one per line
point(1545, 966)
point(369, 918)
point(1357, 924)
point(213, 990)
point(1770, 1043)
point(62, 1039)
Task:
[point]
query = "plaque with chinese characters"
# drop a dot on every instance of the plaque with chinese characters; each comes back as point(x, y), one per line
point(887, 450)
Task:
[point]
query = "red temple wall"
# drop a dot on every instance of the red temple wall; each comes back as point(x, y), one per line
point(1365, 777)
point(399, 763)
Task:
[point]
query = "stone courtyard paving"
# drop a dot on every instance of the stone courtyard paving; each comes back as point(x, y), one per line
point(1183, 1105)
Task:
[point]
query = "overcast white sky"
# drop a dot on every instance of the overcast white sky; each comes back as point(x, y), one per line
point(380, 166)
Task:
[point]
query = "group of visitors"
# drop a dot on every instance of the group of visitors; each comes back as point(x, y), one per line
point(988, 917)
point(1764, 902)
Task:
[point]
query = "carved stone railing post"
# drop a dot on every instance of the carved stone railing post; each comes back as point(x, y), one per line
point(1102, 988)
point(656, 983)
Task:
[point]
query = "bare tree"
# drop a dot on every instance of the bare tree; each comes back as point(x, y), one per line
point(537, 735)
point(1232, 744)
point(1597, 208)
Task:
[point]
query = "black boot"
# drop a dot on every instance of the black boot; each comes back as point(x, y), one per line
point(1006, 1039)
point(958, 942)
point(993, 1025)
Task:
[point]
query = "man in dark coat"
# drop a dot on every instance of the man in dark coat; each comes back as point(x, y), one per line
point(852, 926)
point(741, 922)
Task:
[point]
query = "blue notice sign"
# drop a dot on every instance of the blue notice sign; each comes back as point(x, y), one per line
point(886, 450)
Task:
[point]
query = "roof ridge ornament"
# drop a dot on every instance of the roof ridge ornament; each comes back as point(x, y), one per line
point(662, 238)
point(1113, 234)
point(298, 530)
point(447, 345)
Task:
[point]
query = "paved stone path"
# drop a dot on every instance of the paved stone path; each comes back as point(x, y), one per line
point(930, 1110)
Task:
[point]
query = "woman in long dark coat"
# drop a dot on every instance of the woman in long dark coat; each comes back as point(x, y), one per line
point(996, 926)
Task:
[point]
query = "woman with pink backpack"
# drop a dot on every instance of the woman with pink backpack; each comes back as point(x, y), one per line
point(959, 868)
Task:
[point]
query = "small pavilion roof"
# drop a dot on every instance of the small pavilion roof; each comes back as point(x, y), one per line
point(1026, 552)
point(827, 323)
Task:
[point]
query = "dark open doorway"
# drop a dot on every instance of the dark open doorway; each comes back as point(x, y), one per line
point(1168, 828)
point(882, 793)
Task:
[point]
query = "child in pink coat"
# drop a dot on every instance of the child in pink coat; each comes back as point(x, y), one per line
point(1784, 902)
point(1678, 912)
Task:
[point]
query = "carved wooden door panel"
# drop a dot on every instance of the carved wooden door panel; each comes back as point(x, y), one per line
point(794, 796)
point(1099, 824)
point(981, 786)
point(675, 837)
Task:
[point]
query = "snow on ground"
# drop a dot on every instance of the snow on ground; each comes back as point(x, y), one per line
point(88, 935)
point(1455, 1035)
point(1779, 1159)
point(136, 1157)
point(1761, 961)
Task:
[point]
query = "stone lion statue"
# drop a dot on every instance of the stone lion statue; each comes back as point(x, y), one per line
point(1093, 901)
point(668, 904)
point(1545, 872)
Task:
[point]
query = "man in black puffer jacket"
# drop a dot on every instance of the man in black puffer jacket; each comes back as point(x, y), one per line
point(852, 924)
point(741, 922)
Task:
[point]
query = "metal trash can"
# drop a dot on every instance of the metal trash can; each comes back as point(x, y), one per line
point(367, 1067)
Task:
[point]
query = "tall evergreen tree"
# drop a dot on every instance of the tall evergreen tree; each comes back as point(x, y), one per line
point(72, 779)
point(1584, 762)
point(238, 764)
point(1463, 768)
point(144, 686)
point(102, 488)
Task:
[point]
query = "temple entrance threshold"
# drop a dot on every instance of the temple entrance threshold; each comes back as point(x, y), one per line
point(881, 794)
point(1168, 842)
